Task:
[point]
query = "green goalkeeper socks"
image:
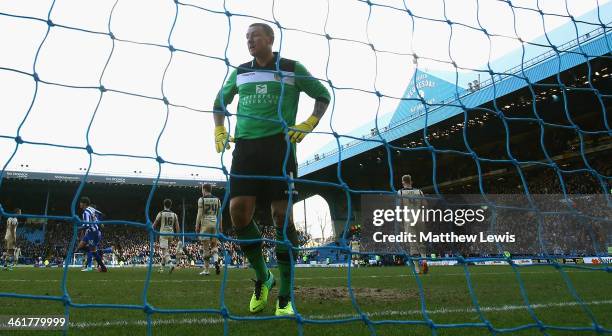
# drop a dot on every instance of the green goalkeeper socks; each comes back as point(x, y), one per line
point(253, 250)
point(284, 262)
point(285, 278)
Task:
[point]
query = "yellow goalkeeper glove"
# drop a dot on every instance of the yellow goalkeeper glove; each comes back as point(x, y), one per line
point(298, 132)
point(222, 139)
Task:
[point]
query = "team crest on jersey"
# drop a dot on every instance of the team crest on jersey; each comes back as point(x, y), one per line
point(261, 89)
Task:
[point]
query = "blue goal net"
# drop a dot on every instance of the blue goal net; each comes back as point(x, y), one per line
point(504, 101)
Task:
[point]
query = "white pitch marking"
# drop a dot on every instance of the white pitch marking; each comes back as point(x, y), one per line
point(472, 274)
point(216, 320)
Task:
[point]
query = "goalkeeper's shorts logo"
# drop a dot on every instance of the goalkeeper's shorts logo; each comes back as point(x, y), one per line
point(261, 89)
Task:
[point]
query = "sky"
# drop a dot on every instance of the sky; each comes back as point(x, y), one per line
point(317, 220)
point(129, 125)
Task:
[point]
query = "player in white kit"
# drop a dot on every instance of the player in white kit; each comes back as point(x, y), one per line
point(413, 198)
point(206, 222)
point(355, 247)
point(10, 239)
point(167, 221)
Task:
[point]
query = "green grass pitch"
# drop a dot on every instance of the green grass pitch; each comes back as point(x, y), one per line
point(385, 294)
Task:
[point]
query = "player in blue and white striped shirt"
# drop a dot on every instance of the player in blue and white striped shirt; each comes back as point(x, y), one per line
point(92, 236)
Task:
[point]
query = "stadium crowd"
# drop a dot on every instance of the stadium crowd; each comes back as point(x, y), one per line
point(563, 235)
point(131, 245)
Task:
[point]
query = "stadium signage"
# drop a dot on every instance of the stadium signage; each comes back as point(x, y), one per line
point(442, 262)
point(504, 262)
point(541, 261)
point(422, 82)
point(66, 178)
point(107, 179)
point(523, 261)
point(115, 179)
point(17, 174)
point(597, 260)
point(163, 182)
point(491, 262)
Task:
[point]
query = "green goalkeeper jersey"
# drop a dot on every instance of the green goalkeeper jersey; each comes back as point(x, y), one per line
point(259, 91)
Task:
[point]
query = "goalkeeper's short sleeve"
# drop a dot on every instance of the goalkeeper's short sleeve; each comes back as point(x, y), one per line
point(228, 92)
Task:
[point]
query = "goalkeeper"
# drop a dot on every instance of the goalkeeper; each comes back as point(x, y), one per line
point(261, 146)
